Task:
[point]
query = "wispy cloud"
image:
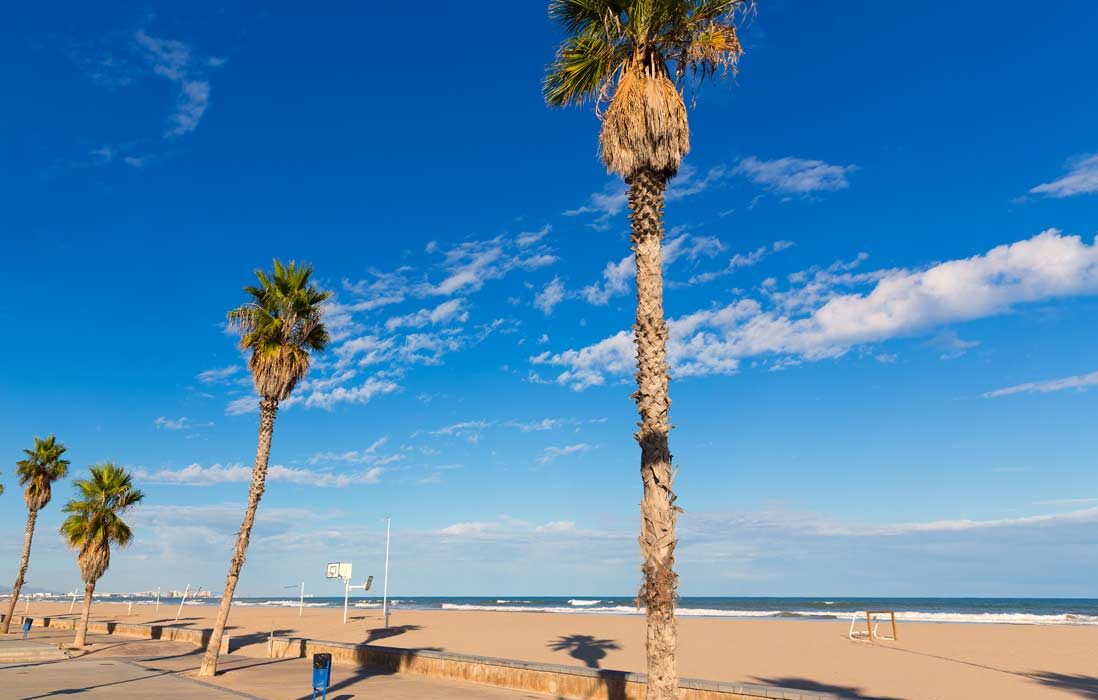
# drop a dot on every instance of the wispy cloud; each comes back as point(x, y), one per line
point(452, 311)
point(219, 375)
point(795, 175)
point(174, 60)
point(1079, 381)
point(552, 453)
point(817, 322)
point(551, 295)
point(198, 475)
point(172, 423)
point(1082, 178)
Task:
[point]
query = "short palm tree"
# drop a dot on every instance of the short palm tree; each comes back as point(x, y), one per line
point(37, 472)
point(634, 57)
point(280, 326)
point(95, 524)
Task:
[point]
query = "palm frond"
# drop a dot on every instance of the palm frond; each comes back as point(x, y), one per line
point(40, 469)
point(281, 325)
point(95, 522)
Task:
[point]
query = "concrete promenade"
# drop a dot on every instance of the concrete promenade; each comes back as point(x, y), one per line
point(113, 667)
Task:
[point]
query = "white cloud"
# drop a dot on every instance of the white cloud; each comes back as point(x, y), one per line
point(536, 426)
point(610, 202)
point(616, 277)
point(1082, 178)
point(552, 453)
point(328, 398)
point(742, 260)
point(172, 423)
point(795, 175)
point(1080, 381)
point(528, 238)
point(556, 527)
point(218, 375)
point(452, 311)
point(550, 296)
point(687, 182)
point(241, 405)
point(827, 324)
point(470, 429)
point(198, 475)
point(173, 60)
point(465, 529)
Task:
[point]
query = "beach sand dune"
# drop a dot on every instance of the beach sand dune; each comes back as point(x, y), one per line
point(929, 662)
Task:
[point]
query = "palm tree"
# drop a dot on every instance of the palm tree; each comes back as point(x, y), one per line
point(37, 472)
point(94, 524)
point(279, 326)
point(634, 56)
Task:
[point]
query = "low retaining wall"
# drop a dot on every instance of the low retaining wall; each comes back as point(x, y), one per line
point(566, 682)
point(198, 637)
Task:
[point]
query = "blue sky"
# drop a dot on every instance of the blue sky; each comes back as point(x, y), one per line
point(881, 279)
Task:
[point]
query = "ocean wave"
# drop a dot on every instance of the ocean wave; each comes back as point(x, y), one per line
point(278, 604)
point(583, 603)
point(997, 618)
point(367, 605)
point(901, 615)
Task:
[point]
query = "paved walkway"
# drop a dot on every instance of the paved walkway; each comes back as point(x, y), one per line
point(121, 667)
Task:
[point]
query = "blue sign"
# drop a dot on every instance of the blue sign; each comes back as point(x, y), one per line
point(27, 626)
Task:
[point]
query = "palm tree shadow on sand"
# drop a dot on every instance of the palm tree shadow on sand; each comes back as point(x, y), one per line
point(1083, 686)
point(584, 647)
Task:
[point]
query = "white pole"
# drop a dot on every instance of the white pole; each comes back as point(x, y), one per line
point(385, 585)
point(301, 601)
point(346, 590)
point(158, 600)
point(73, 603)
point(129, 610)
point(26, 605)
point(180, 611)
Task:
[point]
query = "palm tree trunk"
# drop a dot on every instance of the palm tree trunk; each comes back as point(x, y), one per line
point(82, 627)
point(268, 408)
point(658, 510)
point(32, 515)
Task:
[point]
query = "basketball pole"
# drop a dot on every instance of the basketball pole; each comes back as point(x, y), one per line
point(346, 592)
point(301, 600)
point(385, 585)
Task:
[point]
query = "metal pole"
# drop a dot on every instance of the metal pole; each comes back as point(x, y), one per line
point(158, 600)
point(385, 585)
point(73, 603)
point(301, 601)
point(346, 590)
point(180, 611)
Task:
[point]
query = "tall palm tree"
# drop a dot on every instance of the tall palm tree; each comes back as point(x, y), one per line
point(94, 524)
point(280, 326)
point(634, 57)
point(37, 472)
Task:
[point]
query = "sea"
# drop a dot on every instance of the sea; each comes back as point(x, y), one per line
point(1017, 611)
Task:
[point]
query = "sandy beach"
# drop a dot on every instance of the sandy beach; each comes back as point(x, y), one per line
point(936, 661)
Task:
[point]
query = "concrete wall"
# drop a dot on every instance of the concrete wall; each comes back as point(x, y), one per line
point(565, 682)
point(198, 637)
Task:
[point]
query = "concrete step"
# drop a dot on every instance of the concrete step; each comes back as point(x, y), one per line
point(17, 650)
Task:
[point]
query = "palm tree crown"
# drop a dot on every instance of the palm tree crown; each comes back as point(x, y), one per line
point(281, 324)
point(636, 54)
point(40, 469)
point(95, 521)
